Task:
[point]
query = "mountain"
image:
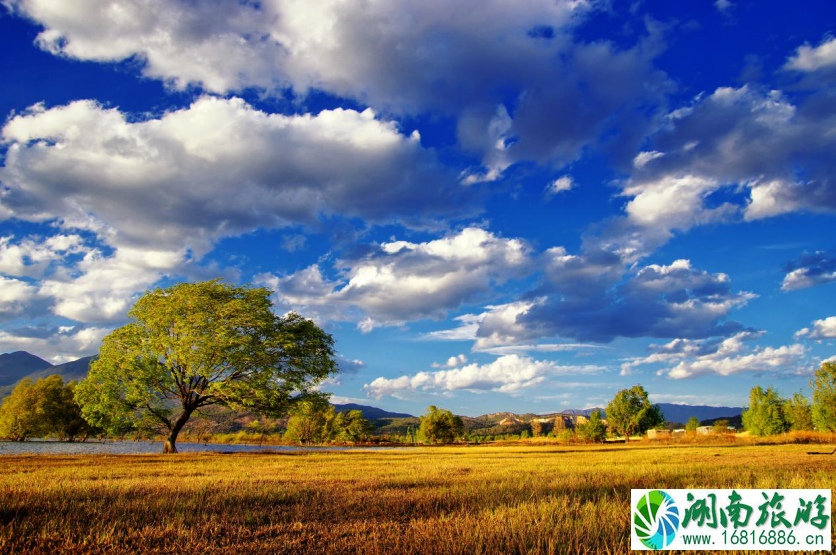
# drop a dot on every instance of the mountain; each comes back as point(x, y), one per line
point(371, 413)
point(681, 413)
point(18, 365)
point(75, 370)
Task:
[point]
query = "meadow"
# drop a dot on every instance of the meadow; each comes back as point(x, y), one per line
point(469, 500)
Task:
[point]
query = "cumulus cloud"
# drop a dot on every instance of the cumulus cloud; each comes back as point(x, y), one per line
point(506, 374)
point(809, 270)
point(559, 185)
point(737, 153)
point(412, 56)
point(779, 360)
point(30, 257)
point(404, 281)
point(813, 58)
point(216, 168)
point(452, 362)
point(684, 358)
point(820, 329)
point(15, 296)
point(594, 298)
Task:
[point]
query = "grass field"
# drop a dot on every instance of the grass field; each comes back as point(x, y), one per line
point(537, 499)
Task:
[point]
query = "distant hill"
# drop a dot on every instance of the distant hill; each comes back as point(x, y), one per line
point(371, 413)
point(18, 365)
point(75, 370)
point(681, 413)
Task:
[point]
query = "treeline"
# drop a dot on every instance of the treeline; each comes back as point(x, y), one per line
point(45, 408)
point(770, 414)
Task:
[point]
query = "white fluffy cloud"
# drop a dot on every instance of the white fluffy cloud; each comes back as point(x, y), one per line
point(813, 58)
point(15, 296)
point(216, 168)
point(506, 374)
point(410, 56)
point(31, 257)
point(559, 185)
point(744, 142)
point(820, 329)
point(809, 270)
point(404, 281)
point(685, 358)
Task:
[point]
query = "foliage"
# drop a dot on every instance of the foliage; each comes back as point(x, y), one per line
point(43, 408)
point(317, 422)
point(350, 426)
point(721, 426)
point(692, 424)
point(196, 345)
point(536, 428)
point(19, 418)
point(824, 397)
point(440, 426)
point(765, 415)
point(798, 412)
point(631, 412)
point(594, 428)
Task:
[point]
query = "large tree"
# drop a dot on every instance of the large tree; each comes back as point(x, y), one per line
point(631, 412)
point(440, 426)
point(824, 397)
point(765, 415)
point(196, 345)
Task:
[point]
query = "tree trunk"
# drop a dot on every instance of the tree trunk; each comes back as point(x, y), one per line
point(170, 445)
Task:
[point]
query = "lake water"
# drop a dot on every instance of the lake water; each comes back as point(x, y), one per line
point(149, 447)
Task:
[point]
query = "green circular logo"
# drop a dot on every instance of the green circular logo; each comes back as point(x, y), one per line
point(656, 519)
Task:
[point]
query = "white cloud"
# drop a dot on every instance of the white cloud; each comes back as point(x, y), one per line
point(409, 56)
point(723, 5)
point(31, 257)
point(820, 329)
point(452, 362)
point(214, 169)
point(559, 185)
point(506, 374)
point(809, 270)
point(404, 281)
point(15, 296)
point(813, 58)
point(781, 360)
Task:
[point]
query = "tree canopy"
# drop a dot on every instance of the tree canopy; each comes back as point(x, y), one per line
point(594, 428)
point(824, 397)
point(42, 408)
point(765, 415)
point(195, 345)
point(631, 412)
point(440, 426)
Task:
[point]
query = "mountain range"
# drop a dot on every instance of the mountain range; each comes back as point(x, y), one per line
point(20, 364)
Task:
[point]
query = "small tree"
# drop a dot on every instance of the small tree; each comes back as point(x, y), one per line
point(721, 426)
point(536, 428)
point(824, 397)
point(311, 422)
point(19, 418)
point(765, 415)
point(559, 425)
point(351, 426)
point(692, 424)
point(440, 426)
point(594, 428)
point(798, 412)
point(195, 345)
point(631, 412)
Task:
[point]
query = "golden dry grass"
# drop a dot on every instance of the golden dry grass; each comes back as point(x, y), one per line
point(511, 499)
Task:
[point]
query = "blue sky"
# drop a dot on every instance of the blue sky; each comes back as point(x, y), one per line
point(491, 205)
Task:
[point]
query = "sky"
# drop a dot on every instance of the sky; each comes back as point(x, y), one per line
point(492, 205)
